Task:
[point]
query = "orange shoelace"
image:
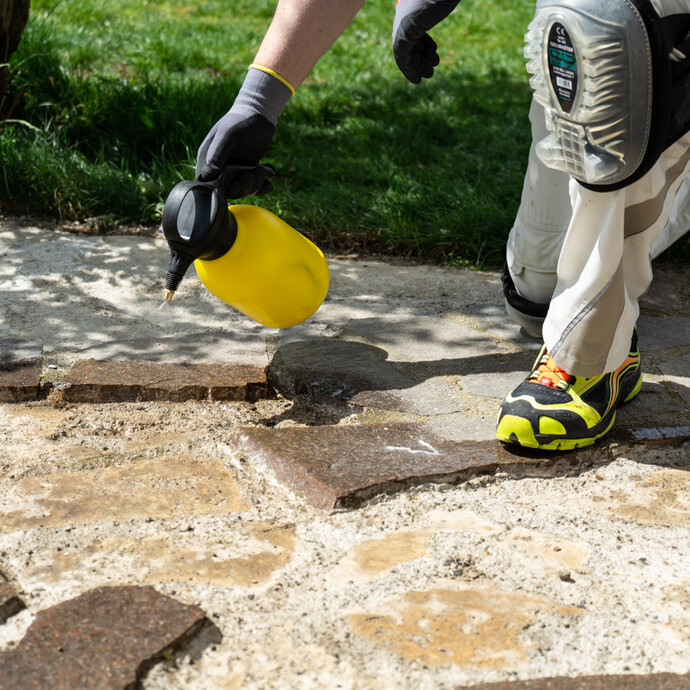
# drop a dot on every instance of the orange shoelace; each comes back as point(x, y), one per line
point(548, 373)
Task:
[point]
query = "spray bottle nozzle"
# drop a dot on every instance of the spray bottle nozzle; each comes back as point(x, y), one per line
point(197, 225)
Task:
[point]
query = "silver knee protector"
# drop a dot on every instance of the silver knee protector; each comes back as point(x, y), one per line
point(605, 72)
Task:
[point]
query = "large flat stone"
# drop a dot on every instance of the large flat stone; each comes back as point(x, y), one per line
point(10, 602)
point(106, 638)
point(677, 372)
point(495, 319)
point(244, 345)
point(156, 489)
point(335, 466)
point(20, 370)
point(657, 681)
point(434, 341)
point(660, 435)
point(666, 288)
point(255, 553)
point(662, 332)
point(97, 381)
point(333, 369)
point(419, 378)
point(467, 626)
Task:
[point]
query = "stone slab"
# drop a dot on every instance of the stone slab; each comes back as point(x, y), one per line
point(352, 371)
point(495, 319)
point(10, 602)
point(332, 369)
point(470, 625)
point(106, 638)
point(155, 489)
point(339, 466)
point(20, 370)
point(434, 341)
point(660, 435)
point(244, 345)
point(251, 555)
point(664, 293)
point(662, 332)
point(657, 681)
point(96, 381)
point(677, 372)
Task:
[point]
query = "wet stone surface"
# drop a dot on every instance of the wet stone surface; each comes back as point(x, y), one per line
point(336, 466)
point(97, 381)
point(463, 562)
point(108, 637)
point(20, 370)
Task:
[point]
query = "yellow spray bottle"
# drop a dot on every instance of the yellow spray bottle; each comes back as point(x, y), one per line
point(245, 255)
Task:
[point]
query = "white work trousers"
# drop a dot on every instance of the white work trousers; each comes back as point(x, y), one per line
point(589, 254)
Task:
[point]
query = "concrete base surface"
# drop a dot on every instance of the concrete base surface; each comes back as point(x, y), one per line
point(462, 564)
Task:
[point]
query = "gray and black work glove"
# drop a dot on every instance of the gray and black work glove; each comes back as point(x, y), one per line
point(240, 139)
point(414, 50)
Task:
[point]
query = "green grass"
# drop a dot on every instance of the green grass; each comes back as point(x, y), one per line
point(115, 97)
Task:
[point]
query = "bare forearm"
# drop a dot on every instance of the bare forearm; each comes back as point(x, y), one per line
point(301, 32)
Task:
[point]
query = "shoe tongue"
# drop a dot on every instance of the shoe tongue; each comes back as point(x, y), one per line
point(549, 374)
point(548, 378)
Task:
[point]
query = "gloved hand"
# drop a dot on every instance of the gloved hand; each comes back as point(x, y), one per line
point(236, 143)
point(414, 50)
point(237, 140)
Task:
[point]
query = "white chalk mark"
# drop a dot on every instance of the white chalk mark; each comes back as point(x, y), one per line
point(430, 450)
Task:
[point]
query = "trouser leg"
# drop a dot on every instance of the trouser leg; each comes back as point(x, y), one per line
point(534, 243)
point(605, 263)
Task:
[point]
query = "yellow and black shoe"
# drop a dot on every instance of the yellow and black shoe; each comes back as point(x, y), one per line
point(554, 410)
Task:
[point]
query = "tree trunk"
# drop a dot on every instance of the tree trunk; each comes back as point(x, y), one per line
point(13, 17)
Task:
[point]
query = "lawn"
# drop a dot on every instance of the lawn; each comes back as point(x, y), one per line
point(113, 98)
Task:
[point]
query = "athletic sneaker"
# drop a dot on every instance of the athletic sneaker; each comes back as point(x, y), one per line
point(554, 410)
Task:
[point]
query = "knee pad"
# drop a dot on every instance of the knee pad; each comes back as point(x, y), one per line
point(525, 313)
point(614, 80)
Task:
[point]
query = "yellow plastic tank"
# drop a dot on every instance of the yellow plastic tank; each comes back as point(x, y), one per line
point(271, 273)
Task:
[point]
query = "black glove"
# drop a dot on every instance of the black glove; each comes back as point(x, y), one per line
point(413, 48)
point(239, 142)
point(234, 147)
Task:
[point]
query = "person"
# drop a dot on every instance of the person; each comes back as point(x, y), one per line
point(578, 257)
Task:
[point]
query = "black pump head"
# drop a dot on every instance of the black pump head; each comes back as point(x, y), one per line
point(197, 225)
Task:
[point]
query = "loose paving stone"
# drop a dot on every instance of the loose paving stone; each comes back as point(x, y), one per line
point(10, 602)
point(96, 381)
point(108, 637)
point(659, 681)
point(334, 466)
point(20, 370)
point(156, 489)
